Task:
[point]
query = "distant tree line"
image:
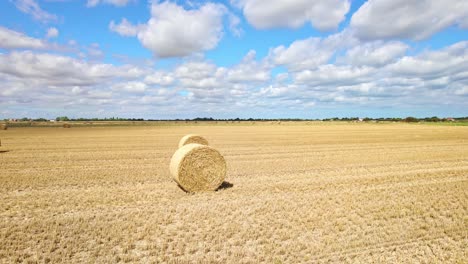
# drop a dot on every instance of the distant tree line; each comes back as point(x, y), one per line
point(408, 119)
point(64, 118)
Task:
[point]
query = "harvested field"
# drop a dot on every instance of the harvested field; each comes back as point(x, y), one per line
point(361, 193)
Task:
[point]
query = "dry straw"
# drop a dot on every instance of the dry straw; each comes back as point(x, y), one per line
point(198, 168)
point(191, 138)
point(3, 127)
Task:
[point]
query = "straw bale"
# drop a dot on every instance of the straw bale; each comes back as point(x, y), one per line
point(192, 138)
point(198, 168)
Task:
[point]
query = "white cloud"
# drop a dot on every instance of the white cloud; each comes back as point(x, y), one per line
point(203, 74)
point(131, 87)
point(464, 23)
point(94, 52)
point(428, 78)
point(57, 70)
point(201, 85)
point(173, 31)
point(416, 20)
point(207, 83)
point(10, 39)
point(462, 91)
point(377, 53)
point(160, 78)
point(434, 64)
point(275, 92)
point(302, 54)
point(32, 8)
point(322, 14)
point(249, 70)
point(234, 25)
point(52, 32)
point(195, 70)
point(375, 74)
point(119, 3)
point(334, 75)
point(310, 53)
point(160, 96)
point(125, 28)
point(96, 94)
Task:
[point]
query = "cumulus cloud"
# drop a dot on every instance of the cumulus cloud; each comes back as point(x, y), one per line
point(462, 91)
point(302, 54)
point(449, 61)
point(275, 91)
point(431, 77)
point(119, 3)
point(195, 70)
point(50, 69)
point(377, 74)
point(249, 70)
point(234, 25)
point(203, 74)
point(32, 8)
point(332, 74)
point(266, 14)
point(10, 39)
point(125, 28)
point(310, 53)
point(174, 31)
point(52, 32)
point(416, 20)
point(377, 53)
point(51, 82)
point(464, 22)
point(160, 78)
point(94, 52)
point(200, 78)
point(131, 87)
point(206, 83)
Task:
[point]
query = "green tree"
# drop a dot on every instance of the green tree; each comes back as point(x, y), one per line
point(62, 118)
point(411, 119)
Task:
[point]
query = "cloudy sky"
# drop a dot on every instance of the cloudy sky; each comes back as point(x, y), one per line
point(233, 58)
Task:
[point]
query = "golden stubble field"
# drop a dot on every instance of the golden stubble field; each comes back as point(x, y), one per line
point(302, 193)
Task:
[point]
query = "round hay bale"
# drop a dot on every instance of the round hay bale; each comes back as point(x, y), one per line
point(198, 168)
point(3, 127)
point(66, 126)
point(191, 138)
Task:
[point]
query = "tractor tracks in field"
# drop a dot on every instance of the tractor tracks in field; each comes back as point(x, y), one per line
point(387, 246)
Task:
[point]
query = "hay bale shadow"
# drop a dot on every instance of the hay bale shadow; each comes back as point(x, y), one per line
point(225, 185)
point(182, 188)
point(4, 151)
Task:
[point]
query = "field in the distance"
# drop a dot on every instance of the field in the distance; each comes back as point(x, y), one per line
point(302, 193)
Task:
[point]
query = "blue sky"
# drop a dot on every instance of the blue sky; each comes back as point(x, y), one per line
point(237, 58)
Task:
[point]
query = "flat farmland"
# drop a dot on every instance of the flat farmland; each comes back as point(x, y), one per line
point(294, 193)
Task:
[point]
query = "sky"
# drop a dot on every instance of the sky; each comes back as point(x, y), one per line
point(233, 58)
